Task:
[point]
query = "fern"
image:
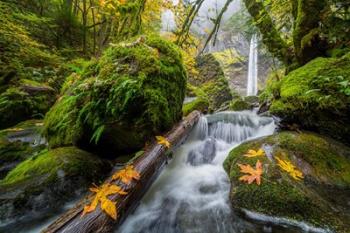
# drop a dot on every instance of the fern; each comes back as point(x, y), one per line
point(97, 134)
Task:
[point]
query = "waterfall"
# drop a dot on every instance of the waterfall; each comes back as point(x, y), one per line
point(252, 85)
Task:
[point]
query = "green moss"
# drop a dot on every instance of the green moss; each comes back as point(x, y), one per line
point(239, 105)
point(72, 161)
point(132, 93)
point(324, 163)
point(199, 104)
point(317, 96)
point(228, 59)
point(16, 150)
point(211, 83)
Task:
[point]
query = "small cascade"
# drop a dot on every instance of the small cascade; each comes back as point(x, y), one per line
point(252, 85)
point(191, 194)
point(201, 130)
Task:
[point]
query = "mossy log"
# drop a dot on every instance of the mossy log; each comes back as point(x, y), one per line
point(149, 166)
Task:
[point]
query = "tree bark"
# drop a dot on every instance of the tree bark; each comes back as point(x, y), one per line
point(148, 165)
point(271, 36)
point(308, 17)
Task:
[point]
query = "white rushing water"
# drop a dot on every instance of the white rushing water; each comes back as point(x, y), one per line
point(252, 80)
point(191, 194)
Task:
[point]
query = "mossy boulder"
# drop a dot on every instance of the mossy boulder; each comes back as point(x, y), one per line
point(27, 100)
point(132, 93)
point(201, 104)
point(320, 199)
point(211, 84)
point(316, 96)
point(244, 103)
point(43, 182)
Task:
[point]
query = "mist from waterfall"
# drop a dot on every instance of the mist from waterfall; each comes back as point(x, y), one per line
point(252, 80)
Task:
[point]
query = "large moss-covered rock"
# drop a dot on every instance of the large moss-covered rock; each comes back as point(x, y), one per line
point(320, 199)
point(211, 84)
point(133, 92)
point(43, 182)
point(27, 100)
point(317, 96)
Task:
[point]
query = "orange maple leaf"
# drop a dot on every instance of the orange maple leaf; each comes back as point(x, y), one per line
point(102, 193)
point(254, 174)
point(126, 174)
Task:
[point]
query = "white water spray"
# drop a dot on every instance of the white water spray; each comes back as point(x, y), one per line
point(252, 85)
point(192, 193)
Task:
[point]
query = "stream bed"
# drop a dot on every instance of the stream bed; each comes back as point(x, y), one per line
point(192, 194)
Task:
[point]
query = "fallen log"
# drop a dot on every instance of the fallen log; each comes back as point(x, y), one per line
point(148, 165)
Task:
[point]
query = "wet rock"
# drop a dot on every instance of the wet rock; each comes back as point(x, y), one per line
point(19, 143)
point(204, 154)
point(44, 182)
point(320, 199)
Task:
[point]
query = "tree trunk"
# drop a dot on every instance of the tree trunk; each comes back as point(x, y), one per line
point(308, 17)
point(271, 36)
point(148, 165)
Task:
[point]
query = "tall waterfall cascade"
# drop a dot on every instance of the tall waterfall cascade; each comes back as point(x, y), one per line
point(252, 80)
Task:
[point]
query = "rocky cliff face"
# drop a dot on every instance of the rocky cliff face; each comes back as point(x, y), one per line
point(235, 66)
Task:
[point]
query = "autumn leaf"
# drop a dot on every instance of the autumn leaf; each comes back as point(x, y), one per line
point(163, 141)
point(126, 174)
point(290, 168)
point(101, 196)
point(253, 153)
point(254, 174)
point(109, 207)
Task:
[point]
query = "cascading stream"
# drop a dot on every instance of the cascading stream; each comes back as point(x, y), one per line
point(191, 195)
point(252, 80)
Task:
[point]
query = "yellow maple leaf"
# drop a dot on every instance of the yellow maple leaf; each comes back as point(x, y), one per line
point(253, 153)
point(290, 168)
point(126, 174)
point(109, 207)
point(254, 174)
point(101, 196)
point(163, 141)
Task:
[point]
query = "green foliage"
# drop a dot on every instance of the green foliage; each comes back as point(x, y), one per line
point(133, 92)
point(17, 105)
point(239, 104)
point(211, 84)
point(19, 49)
point(315, 96)
point(200, 104)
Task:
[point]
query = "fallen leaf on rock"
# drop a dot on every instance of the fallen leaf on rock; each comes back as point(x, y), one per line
point(290, 168)
point(254, 174)
point(253, 153)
